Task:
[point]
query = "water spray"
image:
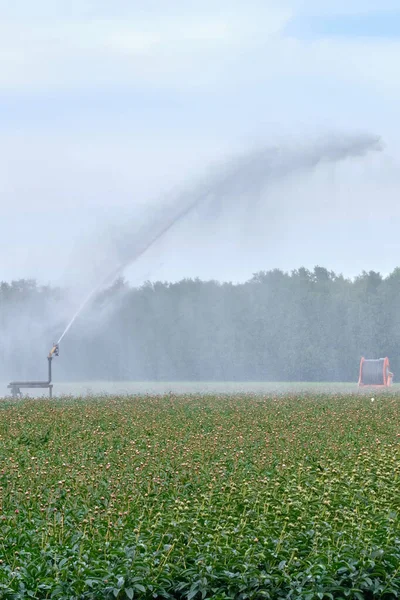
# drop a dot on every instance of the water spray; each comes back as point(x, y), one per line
point(247, 175)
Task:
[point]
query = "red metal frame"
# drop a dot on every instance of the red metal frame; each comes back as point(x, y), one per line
point(387, 375)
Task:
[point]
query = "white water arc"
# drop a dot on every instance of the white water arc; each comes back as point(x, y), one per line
point(248, 173)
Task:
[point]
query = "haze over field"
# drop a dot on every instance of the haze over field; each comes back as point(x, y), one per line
point(180, 141)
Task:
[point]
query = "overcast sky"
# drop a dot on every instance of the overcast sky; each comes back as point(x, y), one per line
point(105, 106)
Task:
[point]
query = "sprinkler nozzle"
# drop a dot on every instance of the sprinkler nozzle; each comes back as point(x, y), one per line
point(53, 351)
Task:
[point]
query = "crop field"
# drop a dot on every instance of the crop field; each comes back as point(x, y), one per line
point(194, 497)
point(84, 389)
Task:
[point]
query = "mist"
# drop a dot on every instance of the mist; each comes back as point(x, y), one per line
point(230, 197)
point(233, 190)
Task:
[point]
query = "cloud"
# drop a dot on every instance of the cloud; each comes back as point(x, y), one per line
point(105, 105)
point(182, 46)
point(131, 46)
point(342, 7)
point(344, 59)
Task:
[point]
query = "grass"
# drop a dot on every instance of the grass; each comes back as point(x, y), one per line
point(157, 388)
point(200, 497)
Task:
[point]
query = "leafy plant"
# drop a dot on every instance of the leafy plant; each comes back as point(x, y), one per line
point(243, 497)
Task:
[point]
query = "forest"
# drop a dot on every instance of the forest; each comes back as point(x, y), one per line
point(306, 325)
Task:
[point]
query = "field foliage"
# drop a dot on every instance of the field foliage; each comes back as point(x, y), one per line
point(200, 497)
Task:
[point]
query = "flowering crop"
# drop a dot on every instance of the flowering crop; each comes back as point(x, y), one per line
point(200, 497)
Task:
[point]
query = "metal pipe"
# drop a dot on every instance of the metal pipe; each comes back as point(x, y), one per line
point(16, 386)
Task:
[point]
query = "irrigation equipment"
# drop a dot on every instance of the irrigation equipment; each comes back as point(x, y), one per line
point(16, 386)
point(375, 373)
point(248, 174)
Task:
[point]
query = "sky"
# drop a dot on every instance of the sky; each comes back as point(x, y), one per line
point(107, 107)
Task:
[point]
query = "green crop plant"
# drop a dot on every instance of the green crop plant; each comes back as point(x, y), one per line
point(185, 497)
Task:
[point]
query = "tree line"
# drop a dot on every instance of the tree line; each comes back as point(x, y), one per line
point(306, 325)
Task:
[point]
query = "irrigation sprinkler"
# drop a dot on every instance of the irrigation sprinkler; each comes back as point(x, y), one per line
point(16, 386)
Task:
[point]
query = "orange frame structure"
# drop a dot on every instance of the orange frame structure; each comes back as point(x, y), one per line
point(387, 375)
